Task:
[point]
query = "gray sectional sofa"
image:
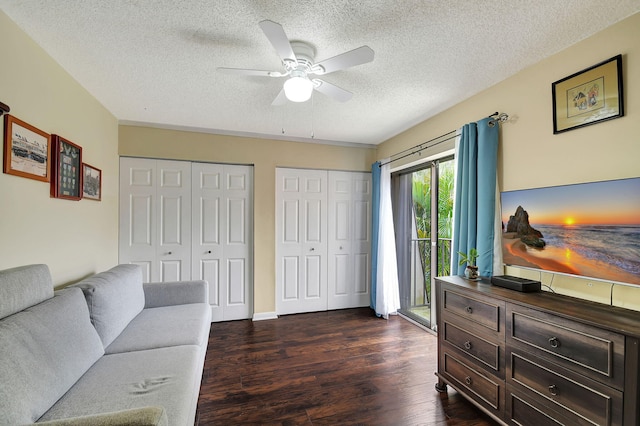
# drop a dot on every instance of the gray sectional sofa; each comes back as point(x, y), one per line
point(108, 350)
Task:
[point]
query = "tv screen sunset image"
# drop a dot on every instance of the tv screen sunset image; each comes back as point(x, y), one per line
point(590, 229)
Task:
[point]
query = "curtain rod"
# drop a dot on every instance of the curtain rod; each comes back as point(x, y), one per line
point(499, 118)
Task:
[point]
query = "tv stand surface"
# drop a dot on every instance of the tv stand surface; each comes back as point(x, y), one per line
point(537, 358)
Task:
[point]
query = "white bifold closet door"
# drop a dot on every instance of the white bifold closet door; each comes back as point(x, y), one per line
point(349, 226)
point(155, 219)
point(222, 240)
point(181, 220)
point(301, 246)
point(322, 240)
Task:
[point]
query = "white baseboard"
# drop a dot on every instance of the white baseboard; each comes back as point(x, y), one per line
point(261, 316)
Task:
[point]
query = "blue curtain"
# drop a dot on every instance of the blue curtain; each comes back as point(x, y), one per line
point(475, 195)
point(375, 227)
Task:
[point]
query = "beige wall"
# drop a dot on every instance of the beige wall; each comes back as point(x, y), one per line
point(532, 156)
point(265, 155)
point(75, 238)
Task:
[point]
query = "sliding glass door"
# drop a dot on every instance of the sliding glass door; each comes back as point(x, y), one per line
point(423, 214)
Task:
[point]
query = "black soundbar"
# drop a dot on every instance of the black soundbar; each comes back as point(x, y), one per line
point(516, 283)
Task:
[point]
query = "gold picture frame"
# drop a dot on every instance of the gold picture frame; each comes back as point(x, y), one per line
point(27, 150)
point(589, 96)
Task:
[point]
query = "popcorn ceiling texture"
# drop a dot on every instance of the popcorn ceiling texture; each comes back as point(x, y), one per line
point(154, 62)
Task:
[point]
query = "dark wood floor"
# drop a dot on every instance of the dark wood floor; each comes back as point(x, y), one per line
point(339, 367)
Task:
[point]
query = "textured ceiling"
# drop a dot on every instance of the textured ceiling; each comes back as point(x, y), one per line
point(154, 61)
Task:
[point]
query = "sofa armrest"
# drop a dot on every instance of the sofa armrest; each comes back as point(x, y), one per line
point(145, 416)
point(175, 293)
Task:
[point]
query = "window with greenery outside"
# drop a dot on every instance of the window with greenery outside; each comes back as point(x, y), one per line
point(421, 194)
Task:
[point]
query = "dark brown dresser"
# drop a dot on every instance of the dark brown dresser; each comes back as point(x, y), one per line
point(538, 358)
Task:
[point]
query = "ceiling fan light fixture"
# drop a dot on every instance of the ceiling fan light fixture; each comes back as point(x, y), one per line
point(298, 88)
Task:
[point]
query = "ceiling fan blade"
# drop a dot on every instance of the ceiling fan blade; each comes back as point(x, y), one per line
point(281, 99)
point(354, 57)
point(332, 90)
point(279, 40)
point(257, 73)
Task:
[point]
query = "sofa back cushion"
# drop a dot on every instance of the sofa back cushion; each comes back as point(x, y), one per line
point(114, 298)
point(24, 286)
point(44, 350)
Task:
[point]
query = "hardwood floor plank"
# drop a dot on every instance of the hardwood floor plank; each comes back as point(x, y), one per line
point(343, 367)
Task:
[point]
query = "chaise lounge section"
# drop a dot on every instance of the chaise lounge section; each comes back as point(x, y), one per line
point(108, 350)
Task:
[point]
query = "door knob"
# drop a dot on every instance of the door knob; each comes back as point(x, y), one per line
point(169, 253)
point(312, 249)
point(209, 252)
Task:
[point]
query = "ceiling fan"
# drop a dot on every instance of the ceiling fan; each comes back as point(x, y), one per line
point(298, 62)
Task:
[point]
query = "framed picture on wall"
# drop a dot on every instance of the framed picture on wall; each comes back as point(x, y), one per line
point(27, 150)
point(588, 96)
point(66, 177)
point(91, 182)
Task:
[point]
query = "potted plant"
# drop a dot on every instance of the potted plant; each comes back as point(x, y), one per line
point(471, 271)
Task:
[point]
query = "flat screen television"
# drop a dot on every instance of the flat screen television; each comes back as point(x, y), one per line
point(588, 229)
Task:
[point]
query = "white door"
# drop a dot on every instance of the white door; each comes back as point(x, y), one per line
point(361, 242)
point(222, 243)
point(238, 242)
point(206, 212)
point(138, 237)
point(349, 239)
point(174, 220)
point(301, 242)
point(155, 223)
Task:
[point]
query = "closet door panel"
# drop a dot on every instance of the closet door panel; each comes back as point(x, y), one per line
point(174, 220)
point(361, 244)
point(137, 238)
point(349, 241)
point(238, 243)
point(301, 240)
point(208, 217)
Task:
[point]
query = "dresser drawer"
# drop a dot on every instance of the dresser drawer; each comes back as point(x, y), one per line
point(526, 410)
point(591, 351)
point(487, 391)
point(484, 313)
point(571, 392)
point(485, 351)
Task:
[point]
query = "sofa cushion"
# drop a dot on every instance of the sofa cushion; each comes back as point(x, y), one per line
point(165, 326)
point(44, 350)
point(163, 377)
point(147, 416)
point(114, 298)
point(22, 287)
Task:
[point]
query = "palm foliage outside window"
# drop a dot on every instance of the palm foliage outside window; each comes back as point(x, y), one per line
point(422, 202)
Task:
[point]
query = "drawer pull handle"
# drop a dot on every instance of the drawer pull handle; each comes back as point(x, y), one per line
point(467, 345)
point(469, 309)
point(468, 380)
point(554, 342)
point(553, 390)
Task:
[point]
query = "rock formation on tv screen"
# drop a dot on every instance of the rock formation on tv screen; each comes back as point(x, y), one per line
point(519, 225)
